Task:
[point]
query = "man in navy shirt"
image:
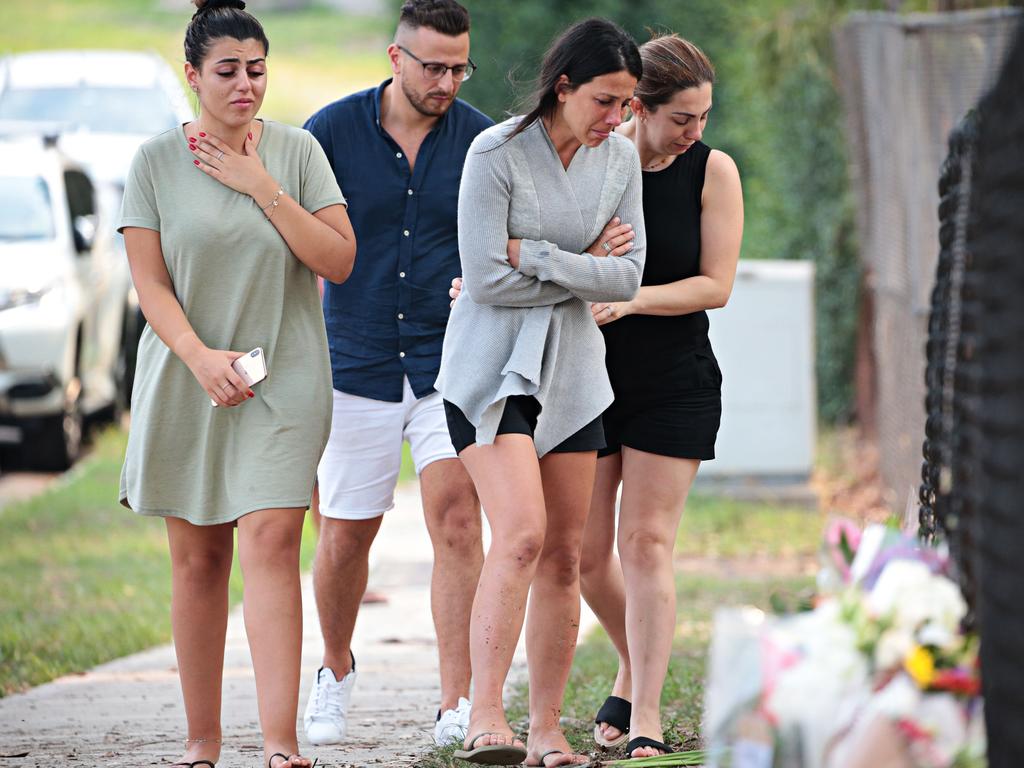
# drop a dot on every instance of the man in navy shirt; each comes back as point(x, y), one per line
point(397, 151)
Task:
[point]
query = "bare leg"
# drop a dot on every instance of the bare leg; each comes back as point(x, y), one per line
point(601, 574)
point(268, 549)
point(200, 568)
point(654, 490)
point(340, 572)
point(452, 513)
point(553, 624)
point(507, 479)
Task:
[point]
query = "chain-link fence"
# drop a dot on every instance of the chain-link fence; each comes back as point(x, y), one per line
point(972, 484)
point(985, 488)
point(906, 82)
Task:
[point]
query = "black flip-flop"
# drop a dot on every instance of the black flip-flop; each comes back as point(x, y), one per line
point(193, 765)
point(616, 713)
point(491, 754)
point(542, 764)
point(643, 741)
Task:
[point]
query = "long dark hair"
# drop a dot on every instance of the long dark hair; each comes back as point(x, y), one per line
point(588, 49)
point(215, 19)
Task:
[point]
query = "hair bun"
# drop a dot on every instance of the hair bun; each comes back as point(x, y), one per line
point(209, 5)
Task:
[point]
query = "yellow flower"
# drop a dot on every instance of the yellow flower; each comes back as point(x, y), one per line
point(920, 665)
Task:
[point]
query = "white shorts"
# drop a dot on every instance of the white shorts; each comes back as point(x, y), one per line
point(359, 469)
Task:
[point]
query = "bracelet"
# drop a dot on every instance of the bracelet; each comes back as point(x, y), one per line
point(201, 741)
point(272, 205)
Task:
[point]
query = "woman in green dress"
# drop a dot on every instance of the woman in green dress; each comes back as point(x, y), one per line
point(227, 222)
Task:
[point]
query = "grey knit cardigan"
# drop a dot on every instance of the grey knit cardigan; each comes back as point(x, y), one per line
point(529, 331)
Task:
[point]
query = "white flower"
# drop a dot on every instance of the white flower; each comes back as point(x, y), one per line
point(943, 604)
point(897, 579)
point(942, 716)
point(816, 696)
point(897, 700)
point(893, 646)
point(912, 596)
point(935, 634)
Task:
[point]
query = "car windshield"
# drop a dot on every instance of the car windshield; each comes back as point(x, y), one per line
point(25, 212)
point(105, 110)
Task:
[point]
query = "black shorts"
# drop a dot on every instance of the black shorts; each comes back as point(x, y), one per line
point(682, 423)
point(520, 418)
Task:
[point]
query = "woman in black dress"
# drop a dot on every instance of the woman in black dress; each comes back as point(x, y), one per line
point(667, 383)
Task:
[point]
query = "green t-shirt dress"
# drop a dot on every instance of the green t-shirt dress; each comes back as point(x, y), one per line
point(241, 287)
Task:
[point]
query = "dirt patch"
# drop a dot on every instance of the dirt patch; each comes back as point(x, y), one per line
point(848, 481)
point(18, 486)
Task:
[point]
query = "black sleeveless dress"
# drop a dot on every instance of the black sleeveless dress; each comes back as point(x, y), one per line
point(667, 383)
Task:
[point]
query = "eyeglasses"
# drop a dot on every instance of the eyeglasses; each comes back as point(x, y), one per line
point(435, 70)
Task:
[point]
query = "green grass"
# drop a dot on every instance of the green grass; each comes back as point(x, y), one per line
point(408, 471)
point(727, 533)
point(717, 527)
point(316, 55)
point(83, 579)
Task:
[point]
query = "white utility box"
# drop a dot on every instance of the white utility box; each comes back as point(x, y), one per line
point(764, 341)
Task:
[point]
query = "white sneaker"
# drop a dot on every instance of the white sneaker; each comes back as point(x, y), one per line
point(326, 718)
point(452, 724)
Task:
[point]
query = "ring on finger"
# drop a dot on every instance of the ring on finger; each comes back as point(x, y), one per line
point(609, 310)
point(221, 155)
point(607, 246)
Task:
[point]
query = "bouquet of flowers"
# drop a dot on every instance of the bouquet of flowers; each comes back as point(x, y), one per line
point(877, 674)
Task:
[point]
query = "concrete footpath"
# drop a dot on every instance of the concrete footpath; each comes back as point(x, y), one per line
point(129, 712)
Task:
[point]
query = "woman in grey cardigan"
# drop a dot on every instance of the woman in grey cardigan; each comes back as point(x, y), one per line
point(550, 219)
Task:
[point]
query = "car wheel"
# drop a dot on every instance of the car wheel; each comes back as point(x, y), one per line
point(131, 331)
point(57, 443)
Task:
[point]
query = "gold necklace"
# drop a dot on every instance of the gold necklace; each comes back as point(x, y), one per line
point(655, 166)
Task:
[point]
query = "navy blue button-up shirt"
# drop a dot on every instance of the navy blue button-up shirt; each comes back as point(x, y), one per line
point(388, 319)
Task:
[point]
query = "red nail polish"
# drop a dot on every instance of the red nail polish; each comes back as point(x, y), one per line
point(193, 147)
point(191, 138)
point(196, 162)
point(252, 394)
point(202, 134)
point(250, 134)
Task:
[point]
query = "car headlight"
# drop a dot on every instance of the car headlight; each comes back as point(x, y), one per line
point(26, 297)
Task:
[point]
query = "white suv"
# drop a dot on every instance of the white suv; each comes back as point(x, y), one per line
point(105, 102)
point(62, 303)
point(103, 105)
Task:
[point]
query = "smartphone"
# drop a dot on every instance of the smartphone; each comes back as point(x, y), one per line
point(250, 367)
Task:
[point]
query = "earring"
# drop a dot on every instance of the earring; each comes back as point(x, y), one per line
point(195, 88)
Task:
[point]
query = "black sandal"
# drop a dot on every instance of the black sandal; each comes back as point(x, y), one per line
point(643, 741)
point(193, 765)
point(616, 713)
